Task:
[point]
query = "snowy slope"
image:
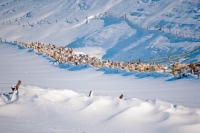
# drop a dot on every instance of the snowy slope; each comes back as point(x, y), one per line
point(82, 24)
point(53, 110)
point(55, 98)
point(46, 102)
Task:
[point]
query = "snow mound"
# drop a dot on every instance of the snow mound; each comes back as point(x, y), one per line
point(55, 106)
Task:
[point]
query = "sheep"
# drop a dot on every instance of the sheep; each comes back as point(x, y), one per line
point(125, 66)
point(195, 68)
point(163, 68)
point(105, 63)
point(97, 63)
point(64, 54)
point(177, 68)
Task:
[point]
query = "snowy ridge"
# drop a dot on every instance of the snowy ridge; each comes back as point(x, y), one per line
point(106, 111)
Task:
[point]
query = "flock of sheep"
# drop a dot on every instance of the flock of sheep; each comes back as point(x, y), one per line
point(65, 55)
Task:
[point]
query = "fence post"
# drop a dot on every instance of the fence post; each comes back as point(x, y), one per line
point(18, 84)
point(139, 61)
point(169, 59)
point(121, 96)
point(186, 53)
point(91, 93)
point(179, 57)
point(159, 27)
point(125, 17)
point(106, 14)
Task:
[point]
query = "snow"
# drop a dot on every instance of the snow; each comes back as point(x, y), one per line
point(55, 98)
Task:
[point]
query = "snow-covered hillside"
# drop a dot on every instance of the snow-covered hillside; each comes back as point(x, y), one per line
point(82, 24)
point(54, 98)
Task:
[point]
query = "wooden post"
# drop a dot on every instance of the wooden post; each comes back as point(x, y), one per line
point(186, 53)
point(91, 94)
point(173, 70)
point(139, 61)
point(125, 17)
point(18, 84)
point(121, 96)
point(169, 59)
point(179, 57)
point(159, 27)
point(15, 88)
point(106, 14)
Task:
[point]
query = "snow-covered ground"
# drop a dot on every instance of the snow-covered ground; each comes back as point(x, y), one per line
point(55, 98)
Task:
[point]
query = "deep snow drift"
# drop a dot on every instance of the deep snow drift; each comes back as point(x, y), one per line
point(53, 110)
point(54, 98)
